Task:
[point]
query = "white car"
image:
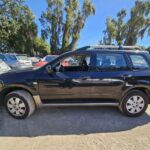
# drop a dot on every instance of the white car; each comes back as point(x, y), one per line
point(23, 60)
point(4, 67)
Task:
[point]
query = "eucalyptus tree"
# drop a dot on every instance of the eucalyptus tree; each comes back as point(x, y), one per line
point(63, 21)
point(139, 22)
point(128, 32)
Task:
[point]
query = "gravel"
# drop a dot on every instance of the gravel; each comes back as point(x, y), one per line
point(75, 128)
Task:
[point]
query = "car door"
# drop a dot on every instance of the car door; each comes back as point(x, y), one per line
point(111, 71)
point(70, 82)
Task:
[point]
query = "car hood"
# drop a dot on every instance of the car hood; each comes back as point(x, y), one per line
point(17, 75)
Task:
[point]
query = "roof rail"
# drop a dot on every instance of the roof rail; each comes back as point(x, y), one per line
point(109, 47)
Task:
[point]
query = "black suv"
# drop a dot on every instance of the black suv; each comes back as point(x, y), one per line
point(89, 76)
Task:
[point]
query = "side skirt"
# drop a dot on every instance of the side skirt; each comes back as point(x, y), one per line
point(39, 103)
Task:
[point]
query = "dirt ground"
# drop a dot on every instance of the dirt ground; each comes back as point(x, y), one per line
point(75, 128)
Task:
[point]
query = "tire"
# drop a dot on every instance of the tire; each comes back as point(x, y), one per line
point(19, 104)
point(134, 103)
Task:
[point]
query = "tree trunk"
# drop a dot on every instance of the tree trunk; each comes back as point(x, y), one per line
point(73, 44)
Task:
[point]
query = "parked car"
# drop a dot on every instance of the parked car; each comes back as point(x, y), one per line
point(10, 61)
point(45, 60)
point(16, 61)
point(4, 67)
point(103, 77)
point(22, 59)
point(34, 60)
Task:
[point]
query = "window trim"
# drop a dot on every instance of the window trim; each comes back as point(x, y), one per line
point(139, 54)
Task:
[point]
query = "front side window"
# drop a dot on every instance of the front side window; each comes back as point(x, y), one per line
point(139, 62)
point(74, 63)
point(110, 61)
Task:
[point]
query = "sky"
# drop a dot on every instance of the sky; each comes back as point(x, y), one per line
point(95, 25)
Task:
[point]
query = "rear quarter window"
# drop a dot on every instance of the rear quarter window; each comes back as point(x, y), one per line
point(139, 61)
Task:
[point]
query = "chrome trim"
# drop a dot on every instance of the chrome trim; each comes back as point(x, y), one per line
point(37, 101)
point(80, 104)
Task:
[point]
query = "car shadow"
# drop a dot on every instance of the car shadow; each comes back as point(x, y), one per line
point(69, 120)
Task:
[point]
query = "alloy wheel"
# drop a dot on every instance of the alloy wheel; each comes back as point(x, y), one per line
point(16, 106)
point(135, 104)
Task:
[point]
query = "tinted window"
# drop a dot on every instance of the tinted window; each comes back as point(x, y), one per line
point(139, 62)
point(111, 61)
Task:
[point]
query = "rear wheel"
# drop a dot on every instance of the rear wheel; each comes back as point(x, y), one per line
point(19, 104)
point(134, 103)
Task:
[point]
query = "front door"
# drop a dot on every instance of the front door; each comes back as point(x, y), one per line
point(69, 80)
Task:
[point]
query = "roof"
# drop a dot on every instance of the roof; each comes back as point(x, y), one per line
point(112, 48)
point(108, 47)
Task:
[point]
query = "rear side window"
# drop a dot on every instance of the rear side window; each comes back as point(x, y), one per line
point(110, 61)
point(139, 62)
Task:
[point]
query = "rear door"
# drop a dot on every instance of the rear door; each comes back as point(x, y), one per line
point(111, 69)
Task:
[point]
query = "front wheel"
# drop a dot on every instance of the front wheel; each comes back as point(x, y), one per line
point(19, 104)
point(134, 103)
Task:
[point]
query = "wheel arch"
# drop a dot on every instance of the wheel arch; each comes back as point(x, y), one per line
point(144, 89)
point(10, 89)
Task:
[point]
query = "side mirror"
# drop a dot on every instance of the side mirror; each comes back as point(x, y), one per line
point(49, 69)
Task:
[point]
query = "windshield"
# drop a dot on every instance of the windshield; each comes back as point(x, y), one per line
point(12, 57)
point(22, 57)
point(2, 57)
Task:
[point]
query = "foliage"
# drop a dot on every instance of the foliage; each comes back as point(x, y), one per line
point(139, 22)
point(41, 47)
point(128, 32)
point(63, 21)
point(17, 27)
point(148, 49)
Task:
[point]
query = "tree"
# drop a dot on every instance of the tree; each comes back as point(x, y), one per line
point(115, 29)
point(110, 32)
point(41, 47)
point(63, 21)
point(51, 21)
point(128, 32)
point(120, 27)
point(138, 23)
point(8, 21)
point(17, 27)
point(148, 49)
